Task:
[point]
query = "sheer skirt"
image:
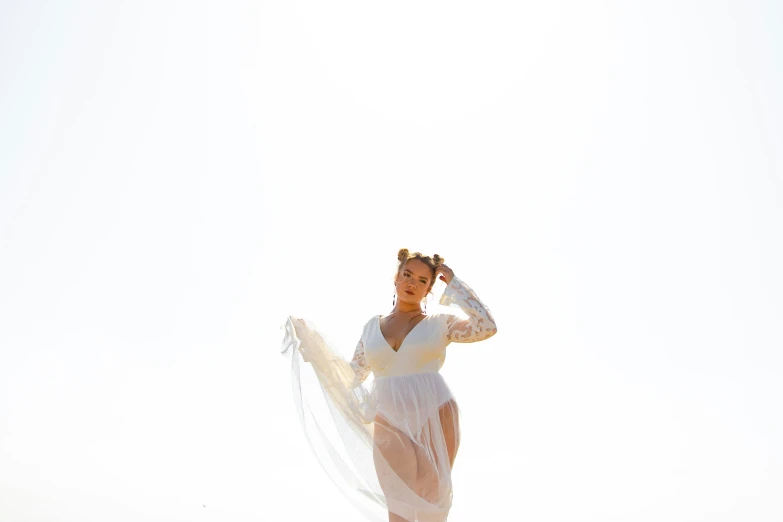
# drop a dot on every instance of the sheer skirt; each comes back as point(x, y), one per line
point(390, 447)
point(415, 440)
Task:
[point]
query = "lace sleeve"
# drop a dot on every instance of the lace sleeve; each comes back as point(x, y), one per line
point(359, 364)
point(479, 326)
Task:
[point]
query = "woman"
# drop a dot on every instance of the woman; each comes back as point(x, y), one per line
point(401, 437)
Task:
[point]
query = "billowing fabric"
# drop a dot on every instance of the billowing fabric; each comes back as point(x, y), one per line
point(389, 446)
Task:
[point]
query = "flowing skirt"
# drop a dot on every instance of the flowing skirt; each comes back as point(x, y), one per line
point(389, 446)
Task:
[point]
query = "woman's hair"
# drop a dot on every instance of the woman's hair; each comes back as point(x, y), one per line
point(403, 256)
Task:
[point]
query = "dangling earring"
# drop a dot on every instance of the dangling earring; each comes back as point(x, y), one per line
point(394, 299)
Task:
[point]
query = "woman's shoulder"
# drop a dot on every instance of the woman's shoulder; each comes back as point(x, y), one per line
point(441, 316)
point(371, 321)
point(442, 320)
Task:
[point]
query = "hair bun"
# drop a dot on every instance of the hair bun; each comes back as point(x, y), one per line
point(438, 260)
point(402, 255)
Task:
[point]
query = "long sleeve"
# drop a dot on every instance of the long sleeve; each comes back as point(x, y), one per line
point(359, 364)
point(479, 326)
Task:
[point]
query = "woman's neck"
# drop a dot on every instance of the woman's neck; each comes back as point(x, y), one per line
point(406, 308)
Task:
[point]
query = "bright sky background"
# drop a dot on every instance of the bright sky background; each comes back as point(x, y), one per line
point(178, 177)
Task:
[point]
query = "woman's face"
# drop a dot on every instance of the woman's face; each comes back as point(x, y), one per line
point(413, 281)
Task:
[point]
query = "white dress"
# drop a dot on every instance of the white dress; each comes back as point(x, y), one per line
point(388, 446)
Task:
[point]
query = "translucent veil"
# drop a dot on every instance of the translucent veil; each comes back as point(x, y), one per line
point(336, 419)
point(355, 441)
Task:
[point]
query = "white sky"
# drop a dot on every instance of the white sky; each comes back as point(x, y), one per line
point(177, 177)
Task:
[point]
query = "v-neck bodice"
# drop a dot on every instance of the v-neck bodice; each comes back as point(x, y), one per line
point(422, 350)
point(402, 343)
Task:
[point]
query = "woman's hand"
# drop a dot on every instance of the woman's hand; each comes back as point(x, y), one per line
point(444, 273)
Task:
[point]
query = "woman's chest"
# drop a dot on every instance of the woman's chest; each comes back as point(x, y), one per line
point(422, 345)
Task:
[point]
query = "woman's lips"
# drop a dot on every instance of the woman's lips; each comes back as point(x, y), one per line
point(408, 292)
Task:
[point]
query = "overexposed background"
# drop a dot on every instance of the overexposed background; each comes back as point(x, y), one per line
point(177, 177)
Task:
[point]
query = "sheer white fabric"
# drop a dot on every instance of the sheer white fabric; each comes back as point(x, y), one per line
point(389, 446)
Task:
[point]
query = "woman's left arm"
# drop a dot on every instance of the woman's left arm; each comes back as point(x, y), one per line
point(480, 324)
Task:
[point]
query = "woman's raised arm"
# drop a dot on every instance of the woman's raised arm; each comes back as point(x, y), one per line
point(480, 324)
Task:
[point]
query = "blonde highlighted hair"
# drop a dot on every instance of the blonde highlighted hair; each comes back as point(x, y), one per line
point(403, 256)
